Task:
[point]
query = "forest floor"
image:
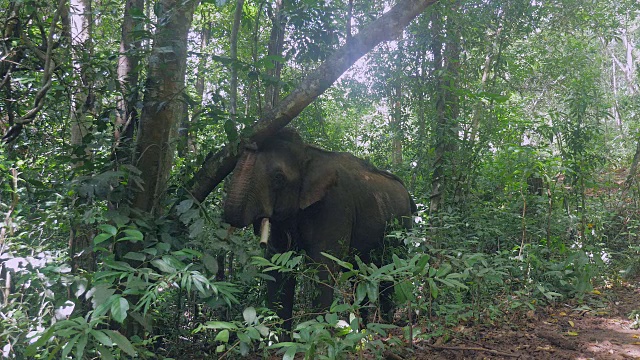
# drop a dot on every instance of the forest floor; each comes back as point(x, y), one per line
point(565, 331)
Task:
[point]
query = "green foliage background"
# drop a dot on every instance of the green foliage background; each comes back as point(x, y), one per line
point(538, 205)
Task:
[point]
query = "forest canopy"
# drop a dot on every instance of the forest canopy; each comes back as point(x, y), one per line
point(513, 125)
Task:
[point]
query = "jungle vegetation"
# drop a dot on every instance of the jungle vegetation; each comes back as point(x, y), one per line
point(514, 124)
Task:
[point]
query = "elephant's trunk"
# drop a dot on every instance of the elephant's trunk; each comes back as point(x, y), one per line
point(240, 197)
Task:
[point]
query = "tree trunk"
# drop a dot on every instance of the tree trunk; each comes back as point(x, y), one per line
point(396, 118)
point(82, 108)
point(633, 170)
point(186, 143)
point(126, 114)
point(487, 66)
point(275, 48)
point(446, 64)
point(162, 106)
point(388, 26)
point(233, 84)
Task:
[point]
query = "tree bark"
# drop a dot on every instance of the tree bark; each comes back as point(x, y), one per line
point(389, 26)
point(275, 48)
point(396, 118)
point(162, 106)
point(446, 61)
point(233, 83)
point(126, 114)
point(82, 109)
point(186, 139)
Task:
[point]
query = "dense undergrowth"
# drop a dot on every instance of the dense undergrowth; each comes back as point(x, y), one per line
point(198, 288)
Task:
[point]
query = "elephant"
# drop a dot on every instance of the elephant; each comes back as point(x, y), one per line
point(314, 200)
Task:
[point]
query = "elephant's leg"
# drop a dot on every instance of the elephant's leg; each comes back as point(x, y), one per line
point(281, 290)
point(386, 301)
point(280, 295)
point(327, 229)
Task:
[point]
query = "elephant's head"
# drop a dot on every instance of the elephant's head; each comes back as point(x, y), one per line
point(275, 181)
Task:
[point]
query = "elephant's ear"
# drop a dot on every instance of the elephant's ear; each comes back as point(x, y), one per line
point(317, 181)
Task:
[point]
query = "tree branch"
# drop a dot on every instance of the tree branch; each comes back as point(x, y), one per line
point(388, 27)
point(15, 130)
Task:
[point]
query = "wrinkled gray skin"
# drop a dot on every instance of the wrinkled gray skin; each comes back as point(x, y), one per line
point(317, 201)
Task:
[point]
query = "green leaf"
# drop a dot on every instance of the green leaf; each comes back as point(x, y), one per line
point(361, 292)
point(135, 256)
point(210, 263)
point(338, 261)
point(243, 337)
point(290, 354)
point(69, 346)
point(421, 264)
point(220, 325)
point(163, 266)
point(433, 288)
point(443, 270)
point(223, 336)
point(105, 354)
point(133, 235)
point(172, 261)
point(184, 206)
point(372, 291)
point(101, 337)
point(249, 315)
point(122, 342)
point(100, 238)
point(340, 308)
point(119, 309)
point(109, 229)
point(82, 343)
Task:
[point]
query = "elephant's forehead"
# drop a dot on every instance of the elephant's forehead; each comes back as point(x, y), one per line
point(271, 161)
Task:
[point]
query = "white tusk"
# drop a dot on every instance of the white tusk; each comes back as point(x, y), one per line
point(265, 232)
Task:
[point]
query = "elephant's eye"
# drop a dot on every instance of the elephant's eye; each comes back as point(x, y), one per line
point(278, 180)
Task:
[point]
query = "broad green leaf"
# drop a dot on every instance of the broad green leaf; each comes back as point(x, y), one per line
point(69, 346)
point(101, 337)
point(338, 261)
point(109, 229)
point(422, 263)
point(105, 353)
point(253, 333)
point(290, 354)
point(361, 292)
point(119, 309)
point(184, 206)
point(100, 238)
point(122, 342)
point(244, 338)
point(249, 315)
point(340, 308)
point(210, 263)
point(433, 288)
point(163, 266)
point(133, 235)
point(82, 344)
point(132, 255)
point(223, 336)
point(220, 325)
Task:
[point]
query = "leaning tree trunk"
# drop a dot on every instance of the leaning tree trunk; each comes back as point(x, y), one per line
point(162, 106)
point(387, 27)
